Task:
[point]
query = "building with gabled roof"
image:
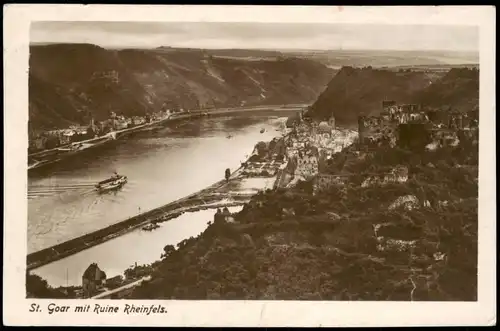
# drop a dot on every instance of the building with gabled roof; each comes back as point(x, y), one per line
point(92, 279)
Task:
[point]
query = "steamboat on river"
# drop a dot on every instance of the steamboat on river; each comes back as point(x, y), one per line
point(113, 183)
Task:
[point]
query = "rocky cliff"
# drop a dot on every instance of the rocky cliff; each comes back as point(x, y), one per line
point(69, 83)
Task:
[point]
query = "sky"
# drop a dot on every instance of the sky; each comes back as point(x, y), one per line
point(258, 35)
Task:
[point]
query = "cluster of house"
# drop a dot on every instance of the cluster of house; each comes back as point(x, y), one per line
point(408, 126)
point(56, 138)
point(403, 113)
point(411, 125)
point(262, 169)
point(311, 144)
point(306, 163)
point(120, 122)
point(223, 215)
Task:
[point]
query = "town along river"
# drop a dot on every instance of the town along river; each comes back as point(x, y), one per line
point(162, 166)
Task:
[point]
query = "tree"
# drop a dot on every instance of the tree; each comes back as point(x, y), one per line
point(38, 287)
point(261, 148)
point(167, 250)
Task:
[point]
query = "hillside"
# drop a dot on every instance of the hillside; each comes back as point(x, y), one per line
point(361, 90)
point(458, 89)
point(347, 243)
point(68, 83)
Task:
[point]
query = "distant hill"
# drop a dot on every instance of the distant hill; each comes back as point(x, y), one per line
point(458, 89)
point(361, 90)
point(231, 52)
point(434, 67)
point(386, 58)
point(336, 59)
point(355, 91)
point(69, 83)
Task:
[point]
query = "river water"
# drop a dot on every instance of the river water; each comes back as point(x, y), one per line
point(116, 255)
point(162, 166)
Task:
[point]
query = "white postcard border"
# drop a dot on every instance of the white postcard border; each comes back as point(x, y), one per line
point(17, 20)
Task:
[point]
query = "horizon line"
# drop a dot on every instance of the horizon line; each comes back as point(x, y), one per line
point(41, 43)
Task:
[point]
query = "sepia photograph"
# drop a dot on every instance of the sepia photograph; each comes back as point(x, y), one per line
point(204, 160)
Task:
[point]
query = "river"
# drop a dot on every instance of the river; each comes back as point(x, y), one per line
point(162, 166)
point(116, 255)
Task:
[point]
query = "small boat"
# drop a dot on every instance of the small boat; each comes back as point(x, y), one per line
point(263, 130)
point(150, 227)
point(229, 136)
point(112, 183)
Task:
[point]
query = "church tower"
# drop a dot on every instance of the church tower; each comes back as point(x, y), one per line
point(331, 122)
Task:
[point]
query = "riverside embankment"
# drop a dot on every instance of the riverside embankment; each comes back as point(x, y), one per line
point(47, 157)
point(221, 194)
point(163, 165)
point(204, 199)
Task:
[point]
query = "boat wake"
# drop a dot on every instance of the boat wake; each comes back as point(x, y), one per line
point(53, 190)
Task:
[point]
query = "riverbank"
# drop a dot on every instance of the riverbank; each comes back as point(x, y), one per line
point(65, 275)
point(51, 263)
point(218, 195)
point(402, 239)
point(197, 201)
point(47, 157)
